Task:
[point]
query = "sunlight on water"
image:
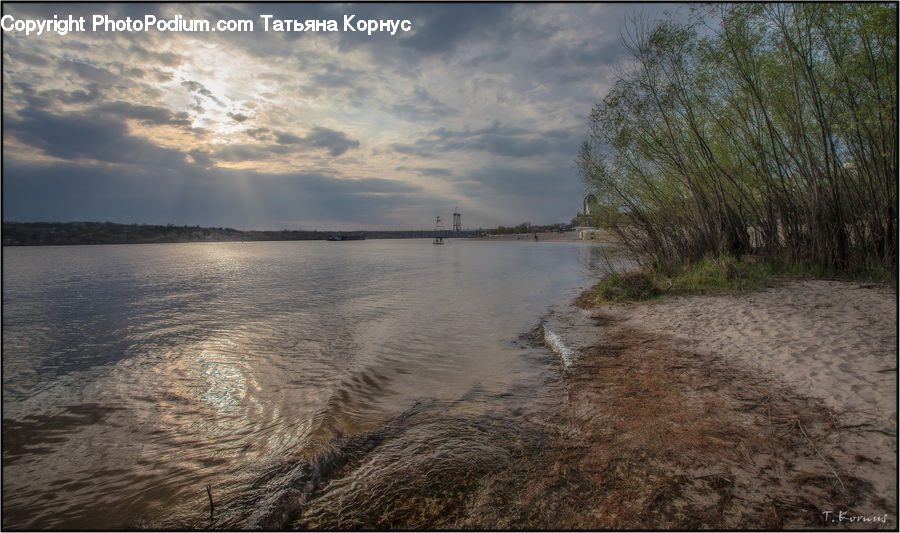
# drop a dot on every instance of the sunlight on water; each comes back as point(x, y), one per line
point(135, 375)
point(224, 385)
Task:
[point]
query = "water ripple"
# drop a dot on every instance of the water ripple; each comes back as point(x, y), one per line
point(135, 375)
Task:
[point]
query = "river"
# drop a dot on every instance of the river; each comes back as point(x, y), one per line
point(135, 375)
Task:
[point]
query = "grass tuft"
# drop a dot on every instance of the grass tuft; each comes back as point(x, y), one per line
point(721, 274)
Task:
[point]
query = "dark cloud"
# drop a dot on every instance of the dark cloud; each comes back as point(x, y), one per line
point(420, 106)
point(201, 157)
point(162, 76)
point(87, 136)
point(539, 195)
point(145, 113)
point(234, 153)
point(434, 171)
point(168, 59)
point(581, 54)
point(195, 196)
point(79, 96)
point(197, 87)
point(88, 73)
point(260, 134)
point(426, 171)
point(32, 59)
point(332, 75)
point(51, 98)
point(417, 149)
point(496, 139)
point(238, 117)
point(283, 137)
point(440, 28)
point(335, 142)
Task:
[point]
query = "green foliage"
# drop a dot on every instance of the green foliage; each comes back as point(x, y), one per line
point(635, 285)
point(721, 274)
point(773, 134)
point(711, 275)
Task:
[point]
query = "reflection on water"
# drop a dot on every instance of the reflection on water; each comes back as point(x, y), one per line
point(135, 375)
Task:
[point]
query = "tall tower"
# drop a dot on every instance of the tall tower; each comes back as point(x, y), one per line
point(457, 222)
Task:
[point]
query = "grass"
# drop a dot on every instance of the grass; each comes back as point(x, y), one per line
point(720, 274)
point(713, 275)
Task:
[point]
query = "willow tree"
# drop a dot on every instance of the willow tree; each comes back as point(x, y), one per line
point(771, 130)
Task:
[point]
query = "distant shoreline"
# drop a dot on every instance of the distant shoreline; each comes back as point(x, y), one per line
point(566, 236)
point(591, 235)
point(77, 233)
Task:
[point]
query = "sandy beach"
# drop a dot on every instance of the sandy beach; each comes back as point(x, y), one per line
point(770, 409)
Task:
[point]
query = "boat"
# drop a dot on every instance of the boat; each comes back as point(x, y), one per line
point(342, 237)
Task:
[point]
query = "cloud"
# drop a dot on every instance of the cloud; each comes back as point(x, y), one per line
point(416, 149)
point(427, 171)
point(283, 137)
point(70, 192)
point(165, 59)
point(88, 136)
point(145, 113)
point(197, 87)
point(31, 59)
point(441, 28)
point(335, 142)
point(523, 194)
point(478, 104)
point(234, 153)
point(332, 75)
point(88, 72)
point(497, 139)
point(79, 96)
point(260, 134)
point(420, 106)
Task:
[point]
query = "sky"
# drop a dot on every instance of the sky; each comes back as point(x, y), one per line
point(478, 106)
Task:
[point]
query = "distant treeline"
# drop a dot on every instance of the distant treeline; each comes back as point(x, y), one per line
point(527, 227)
point(49, 233)
point(767, 128)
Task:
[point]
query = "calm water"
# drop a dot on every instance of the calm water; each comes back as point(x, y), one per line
point(134, 375)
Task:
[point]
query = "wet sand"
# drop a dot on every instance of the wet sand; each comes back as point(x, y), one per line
point(771, 409)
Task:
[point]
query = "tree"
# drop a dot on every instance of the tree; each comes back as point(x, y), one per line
point(774, 133)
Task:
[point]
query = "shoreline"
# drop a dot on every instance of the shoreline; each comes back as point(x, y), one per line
point(658, 421)
point(768, 409)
